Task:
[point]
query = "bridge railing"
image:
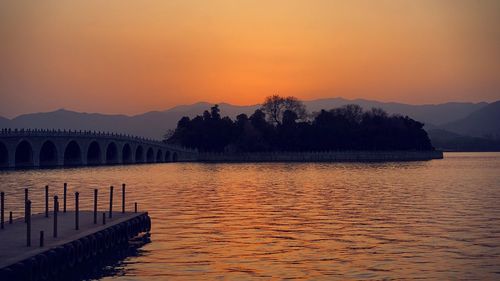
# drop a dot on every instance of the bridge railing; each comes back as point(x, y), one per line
point(9, 132)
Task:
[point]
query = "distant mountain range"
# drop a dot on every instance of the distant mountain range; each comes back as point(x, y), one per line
point(480, 120)
point(480, 123)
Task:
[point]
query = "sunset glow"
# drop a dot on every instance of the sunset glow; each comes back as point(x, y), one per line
point(249, 140)
point(134, 56)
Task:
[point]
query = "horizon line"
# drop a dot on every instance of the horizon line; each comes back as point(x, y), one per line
point(243, 105)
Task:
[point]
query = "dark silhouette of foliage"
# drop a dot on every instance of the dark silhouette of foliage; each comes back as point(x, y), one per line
point(345, 128)
point(275, 106)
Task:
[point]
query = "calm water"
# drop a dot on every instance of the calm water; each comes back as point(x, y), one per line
point(417, 220)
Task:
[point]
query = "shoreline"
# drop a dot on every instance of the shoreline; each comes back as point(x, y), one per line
point(327, 156)
point(283, 157)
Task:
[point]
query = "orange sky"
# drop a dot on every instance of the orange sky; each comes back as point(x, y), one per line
point(135, 56)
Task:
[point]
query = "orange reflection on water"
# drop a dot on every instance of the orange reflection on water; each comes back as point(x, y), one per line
point(433, 220)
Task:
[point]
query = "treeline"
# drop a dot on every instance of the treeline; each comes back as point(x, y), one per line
point(283, 125)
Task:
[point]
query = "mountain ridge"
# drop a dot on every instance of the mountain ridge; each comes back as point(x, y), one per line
point(481, 123)
point(154, 124)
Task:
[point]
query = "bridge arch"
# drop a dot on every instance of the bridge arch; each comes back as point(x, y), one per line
point(72, 154)
point(94, 154)
point(48, 154)
point(159, 156)
point(42, 148)
point(24, 154)
point(139, 154)
point(4, 155)
point(111, 153)
point(126, 154)
point(150, 156)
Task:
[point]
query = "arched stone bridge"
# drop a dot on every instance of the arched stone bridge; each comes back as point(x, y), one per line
point(52, 148)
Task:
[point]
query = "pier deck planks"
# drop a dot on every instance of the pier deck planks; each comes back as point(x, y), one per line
point(13, 237)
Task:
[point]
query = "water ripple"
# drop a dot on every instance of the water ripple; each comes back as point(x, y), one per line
point(303, 221)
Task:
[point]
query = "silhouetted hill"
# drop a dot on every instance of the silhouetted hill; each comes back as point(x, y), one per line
point(155, 123)
point(4, 122)
point(435, 114)
point(65, 119)
point(449, 141)
point(151, 124)
point(430, 114)
point(484, 122)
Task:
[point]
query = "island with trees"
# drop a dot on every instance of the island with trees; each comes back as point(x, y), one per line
point(282, 129)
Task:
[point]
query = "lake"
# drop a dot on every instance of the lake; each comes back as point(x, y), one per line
point(436, 219)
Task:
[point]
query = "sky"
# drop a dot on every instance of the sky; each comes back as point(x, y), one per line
point(131, 57)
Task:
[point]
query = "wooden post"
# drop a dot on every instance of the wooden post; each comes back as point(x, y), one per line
point(41, 238)
point(77, 211)
point(111, 202)
point(56, 209)
point(135, 207)
point(64, 197)
point(2, 209)
point(25, 200)
point(123, 198)
point(95, 206)
point(46, 201)
point(103, 218)
point(28, 221)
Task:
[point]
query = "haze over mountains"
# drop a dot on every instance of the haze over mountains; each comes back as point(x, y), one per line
point(457, 119)
point(483, 122)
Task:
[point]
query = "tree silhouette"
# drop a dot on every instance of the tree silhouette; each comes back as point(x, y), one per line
point(274, 106)
point(345, 128)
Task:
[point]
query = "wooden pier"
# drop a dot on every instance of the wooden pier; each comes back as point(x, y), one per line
point(49, 245)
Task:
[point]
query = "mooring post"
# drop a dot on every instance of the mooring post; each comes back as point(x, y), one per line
point(104, 218)
point(111, 202)
point(123, 198)
point(135, 207)
point(56, 209)
point(95, 206)
point(41, 238)
point(64, 197)
point(46, 201)
point(2, 208)
point(10, 217)
point(25, 200)
point(77, 211)
point(28, 226)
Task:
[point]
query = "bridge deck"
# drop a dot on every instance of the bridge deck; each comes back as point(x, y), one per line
point(13, 237)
